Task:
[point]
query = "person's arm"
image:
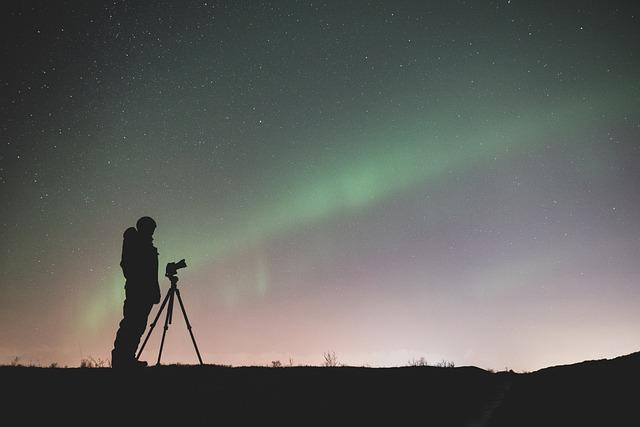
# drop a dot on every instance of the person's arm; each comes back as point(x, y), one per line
point(156, 284)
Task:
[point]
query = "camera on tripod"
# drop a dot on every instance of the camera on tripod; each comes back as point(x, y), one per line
point(171, 272)
point(173, 267)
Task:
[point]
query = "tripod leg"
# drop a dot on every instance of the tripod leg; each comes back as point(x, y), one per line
point(166, 322)
point(171, 310)
point(153, 325)
point(186, 319)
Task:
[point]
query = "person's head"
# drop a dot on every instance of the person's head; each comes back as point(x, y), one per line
point(146, 226)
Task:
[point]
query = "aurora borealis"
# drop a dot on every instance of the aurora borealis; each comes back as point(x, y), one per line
point(387, 180)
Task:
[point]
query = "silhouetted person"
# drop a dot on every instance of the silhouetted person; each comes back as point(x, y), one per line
point(140, 268)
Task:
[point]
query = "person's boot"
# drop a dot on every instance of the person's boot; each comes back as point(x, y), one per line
point(118, 361)
point(140, 363)
point(115, 359)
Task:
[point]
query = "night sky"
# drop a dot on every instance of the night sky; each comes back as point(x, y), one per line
point(450, 180)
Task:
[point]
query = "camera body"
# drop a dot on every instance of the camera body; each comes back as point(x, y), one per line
point(173, 267)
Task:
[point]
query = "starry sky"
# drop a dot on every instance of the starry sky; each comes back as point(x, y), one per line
point(386, 180)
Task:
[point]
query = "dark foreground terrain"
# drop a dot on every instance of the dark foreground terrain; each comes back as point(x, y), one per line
point(593, 393)
point(590, 393)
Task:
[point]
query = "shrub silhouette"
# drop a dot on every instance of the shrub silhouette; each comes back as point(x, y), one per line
point(90, 362)
point(330, 360)
point(445, 364)
point(419, 362)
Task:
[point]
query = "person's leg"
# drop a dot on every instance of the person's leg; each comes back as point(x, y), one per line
point(143, 309)
point(122, 347)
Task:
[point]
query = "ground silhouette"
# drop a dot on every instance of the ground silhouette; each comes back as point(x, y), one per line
point(589, 393)
point(600, 392)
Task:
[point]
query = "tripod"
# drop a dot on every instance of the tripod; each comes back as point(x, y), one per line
point(169, 298)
